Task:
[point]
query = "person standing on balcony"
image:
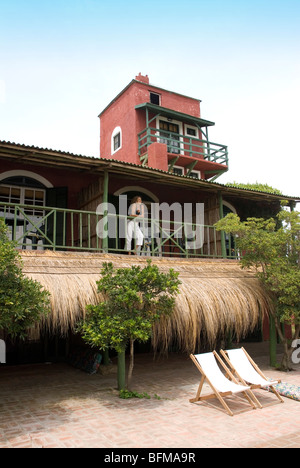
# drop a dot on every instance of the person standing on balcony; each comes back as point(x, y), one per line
point(136, 211)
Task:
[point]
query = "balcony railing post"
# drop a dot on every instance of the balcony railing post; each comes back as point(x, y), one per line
point(14, 230)
point(54, 229)
point(182, 145)
point(223, 242)
point(168, 238)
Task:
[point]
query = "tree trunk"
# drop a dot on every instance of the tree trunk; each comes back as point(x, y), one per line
point(286, 364)
point(121, 371)
point(131, 364)
point(286, 358)
point(273, 341)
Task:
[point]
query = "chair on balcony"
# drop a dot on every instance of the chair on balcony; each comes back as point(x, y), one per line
point(150, 244)
point(35, 231)
point(221, 385)
point(248, 373)
point(187, 245)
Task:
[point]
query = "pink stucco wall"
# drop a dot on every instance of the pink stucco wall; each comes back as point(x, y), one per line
point(122, 113)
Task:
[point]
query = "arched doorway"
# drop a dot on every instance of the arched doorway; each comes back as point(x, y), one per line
point(121, 200)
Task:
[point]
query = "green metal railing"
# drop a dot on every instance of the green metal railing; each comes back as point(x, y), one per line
point(36, 227)
point(183, 145)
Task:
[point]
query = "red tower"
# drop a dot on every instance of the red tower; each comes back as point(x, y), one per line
point(148, 125)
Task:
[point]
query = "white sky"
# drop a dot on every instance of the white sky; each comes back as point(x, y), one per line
point(62, 61)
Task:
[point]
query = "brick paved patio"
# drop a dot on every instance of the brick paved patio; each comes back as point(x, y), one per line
point(55, 405)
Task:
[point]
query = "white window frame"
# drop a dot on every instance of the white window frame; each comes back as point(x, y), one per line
point(22, 200)
point(176, 122)
point(195, 172)
point(156, 94)
point(186, 126)
point(115, 132)
point(179, 167)
point(31, 175)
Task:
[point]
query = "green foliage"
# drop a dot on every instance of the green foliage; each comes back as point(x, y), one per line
point(126, 394)
point(22, 300)
point(275, 252)
point(257, 186)
point(273, 247)
point(134, 299)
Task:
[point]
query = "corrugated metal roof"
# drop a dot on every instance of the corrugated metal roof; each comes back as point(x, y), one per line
point(115, 164)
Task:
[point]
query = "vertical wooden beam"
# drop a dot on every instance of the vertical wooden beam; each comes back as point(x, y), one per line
point(223, 243)
point(105, 201)
point(105, 356)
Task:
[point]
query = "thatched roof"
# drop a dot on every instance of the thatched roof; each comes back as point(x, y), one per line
point(216, 295)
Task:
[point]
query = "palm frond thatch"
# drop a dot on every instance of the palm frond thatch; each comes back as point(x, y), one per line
point(216, 296)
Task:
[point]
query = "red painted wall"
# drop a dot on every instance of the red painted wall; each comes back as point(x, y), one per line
point(75, 181)
point(121, 113)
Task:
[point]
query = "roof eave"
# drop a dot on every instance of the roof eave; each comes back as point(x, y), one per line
point(47, 157)
point(164, 111)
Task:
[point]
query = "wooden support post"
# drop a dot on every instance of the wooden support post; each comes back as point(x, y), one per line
point(105, 355)
point(105, 200)
point(223, 243)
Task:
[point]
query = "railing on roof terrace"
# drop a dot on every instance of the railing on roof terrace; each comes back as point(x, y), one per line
point(183, 145)
point(36, 227)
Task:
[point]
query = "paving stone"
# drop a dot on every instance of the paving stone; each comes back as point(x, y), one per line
point(58, 406)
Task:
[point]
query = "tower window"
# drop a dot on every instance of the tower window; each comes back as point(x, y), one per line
point(155, 98)
point(191, 131)
point(116, 140)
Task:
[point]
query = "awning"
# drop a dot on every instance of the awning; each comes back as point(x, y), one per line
point(175, 115)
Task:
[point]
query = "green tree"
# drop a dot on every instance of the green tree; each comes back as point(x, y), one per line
point(22, 300)
point(134, 298)
point(272, 246)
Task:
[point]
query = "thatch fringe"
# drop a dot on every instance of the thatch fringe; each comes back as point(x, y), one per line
point(216, 296)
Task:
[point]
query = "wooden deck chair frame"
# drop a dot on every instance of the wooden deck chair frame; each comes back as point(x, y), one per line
point(216, 394)
point(252, 386)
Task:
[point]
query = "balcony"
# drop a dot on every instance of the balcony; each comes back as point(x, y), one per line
point(183, 145)
point(35, 227)
point(186, 141)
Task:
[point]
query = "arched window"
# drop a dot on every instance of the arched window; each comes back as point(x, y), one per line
point(23, 190)
point(116, 140)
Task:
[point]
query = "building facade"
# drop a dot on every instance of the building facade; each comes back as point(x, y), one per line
point(153, 143)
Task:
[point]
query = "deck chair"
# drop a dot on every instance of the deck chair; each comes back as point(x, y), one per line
point(207, 365)
point(248, 373)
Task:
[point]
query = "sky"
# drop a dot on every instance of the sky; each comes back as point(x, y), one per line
point(63, 61)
